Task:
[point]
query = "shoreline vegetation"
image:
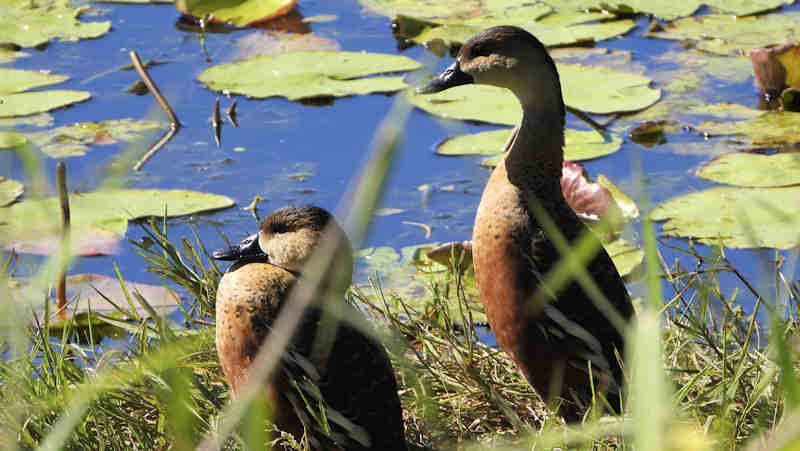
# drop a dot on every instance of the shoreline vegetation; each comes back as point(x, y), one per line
point(702, 373)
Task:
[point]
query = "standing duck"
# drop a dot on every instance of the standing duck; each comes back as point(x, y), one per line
point(351, 371)
point(551, 342)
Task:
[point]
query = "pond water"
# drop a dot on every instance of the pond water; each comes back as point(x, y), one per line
point(296, 153)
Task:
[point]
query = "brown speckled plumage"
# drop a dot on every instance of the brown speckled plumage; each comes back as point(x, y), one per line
point(549, 342)
point(355, 377)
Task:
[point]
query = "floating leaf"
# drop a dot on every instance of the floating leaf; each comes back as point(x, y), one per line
point(11, 140)
point(439, 9)
point(275, 42)
point(240, 13)
point(301, 75)
point(7, 55)
point(625, 256)
point(99, 294)
point(29, 25)
point(10, 190)
point(725, 34)
point(85, 241)
point(735, 217)
point(591, 89)
point(752, 169)
point(670, 10)
point(75, 139)
point(421, 25)
point(770, 129)
point(107, 209)
point(26, 103)
point(626, 205)
point(580, 144)
point(15, 80)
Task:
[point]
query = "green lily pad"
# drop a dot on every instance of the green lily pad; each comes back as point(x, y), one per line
point(107, 209)
point(10, 190)
point(408, 274)
point(454, 26)
point(11, 140)
point(725, 34)
point(580, 144)
point(770, 129)
point(102, 294)
point(752, 169)
point(74, 140)
point(301, 75)
point(735, 217)
point(591, 89)
point(625, 256)
point(28, 24)
point(240, 13)
point(25, 103)
point(731, 69)
point(7, 55)
point(626, 205)
point(36, 120)
point(430, 10)
point(15, 80)
point(670, 10)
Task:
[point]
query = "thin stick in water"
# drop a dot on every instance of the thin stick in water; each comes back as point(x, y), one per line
point(216, 123)
point(151, 86)
point(63, 197)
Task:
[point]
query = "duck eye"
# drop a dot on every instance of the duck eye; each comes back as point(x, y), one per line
point(279, 228)
point(480, 50)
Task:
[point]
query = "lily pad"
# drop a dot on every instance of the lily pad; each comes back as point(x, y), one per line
point(25, 103)
point(580, 144)
point(725, 34)
point(10, 190)
point(75, 139)
point(11, 140)
point(107, 209)
point(430, 10)
point(587, 88)
point(275, 42)
point(240, 13)
point(770, 129)
point(100, 294)
point(625, 256)
point(7, 55)
point(752, 169)
point(15, 80)
point(301, 75)
point(85, 241)
point(421, 25)
point(28, 24)
point(670, 10)
point(735, 217)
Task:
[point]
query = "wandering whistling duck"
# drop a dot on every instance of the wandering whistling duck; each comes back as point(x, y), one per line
point(355, 376)
point(551, 342)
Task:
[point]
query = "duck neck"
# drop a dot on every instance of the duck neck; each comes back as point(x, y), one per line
point(536, 156)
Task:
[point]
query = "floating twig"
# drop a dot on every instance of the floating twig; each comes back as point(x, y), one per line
point(216, 124)
point(63, 197)
point(151, 86)
point(231, 112)
point(585, 118)
point(155, 147)
point(174, 124)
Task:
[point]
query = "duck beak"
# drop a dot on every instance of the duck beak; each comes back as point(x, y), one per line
point(452, 76)
point(248, 248)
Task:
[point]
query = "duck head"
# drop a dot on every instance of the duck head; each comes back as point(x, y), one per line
point(288, 237)
point(508, 57)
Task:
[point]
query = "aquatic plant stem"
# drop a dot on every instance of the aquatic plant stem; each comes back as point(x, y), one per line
point(63, 197)
point(151, 86)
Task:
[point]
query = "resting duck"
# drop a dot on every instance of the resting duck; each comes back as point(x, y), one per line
point(355, 377)
point(552, 341)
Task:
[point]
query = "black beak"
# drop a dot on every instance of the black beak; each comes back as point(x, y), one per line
point(248, 249)
point(452, 76)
